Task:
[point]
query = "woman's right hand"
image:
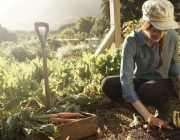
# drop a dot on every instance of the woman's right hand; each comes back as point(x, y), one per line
point(148, 117)
point(157, 122)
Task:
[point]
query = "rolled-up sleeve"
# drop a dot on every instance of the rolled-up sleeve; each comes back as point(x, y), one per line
point(126, 71)
point(174, 70)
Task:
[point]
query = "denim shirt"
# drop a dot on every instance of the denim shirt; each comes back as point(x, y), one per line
point(140, 60)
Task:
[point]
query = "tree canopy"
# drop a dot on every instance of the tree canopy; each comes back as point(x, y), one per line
point(6, 35)
point(85, 24)
point(130, 9)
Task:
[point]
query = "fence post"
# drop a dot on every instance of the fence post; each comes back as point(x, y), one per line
point(113, 37)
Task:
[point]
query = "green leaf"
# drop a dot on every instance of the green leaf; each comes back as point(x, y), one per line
point(13, 104)
point(48, 130)
point(82, 99)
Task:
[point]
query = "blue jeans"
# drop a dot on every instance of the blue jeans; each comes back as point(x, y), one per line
point(153, 93)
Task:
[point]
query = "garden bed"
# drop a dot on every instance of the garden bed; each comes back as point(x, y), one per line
point(117, 120)
point(110, 121)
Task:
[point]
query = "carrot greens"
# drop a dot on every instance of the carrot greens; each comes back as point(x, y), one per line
point(25, 119)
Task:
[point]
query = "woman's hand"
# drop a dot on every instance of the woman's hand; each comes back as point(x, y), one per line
point(158, 122)
point(148, 117)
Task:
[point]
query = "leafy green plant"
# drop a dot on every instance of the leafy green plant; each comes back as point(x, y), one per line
point(28, 120)
point(21, 81)
point(129, 26)
point(73, 77)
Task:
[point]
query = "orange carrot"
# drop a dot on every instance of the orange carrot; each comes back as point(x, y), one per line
point(60, 120)
point(39, 125)
point(69, 115)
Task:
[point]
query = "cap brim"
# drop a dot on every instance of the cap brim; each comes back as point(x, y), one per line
point(165, 25)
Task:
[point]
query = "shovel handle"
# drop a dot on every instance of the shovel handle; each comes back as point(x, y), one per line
point(42, 24)
point(43, 44)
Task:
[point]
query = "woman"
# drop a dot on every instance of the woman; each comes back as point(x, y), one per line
point(149, 59)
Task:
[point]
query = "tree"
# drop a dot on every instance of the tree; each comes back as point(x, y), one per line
point(63, 27)
point(81, 36)
point(100, 28)
point(130, 9)
point(85, 24)
point(0, 33)
point(67, 33)
point(6, 35)
point(177, 12)
point(105, 11)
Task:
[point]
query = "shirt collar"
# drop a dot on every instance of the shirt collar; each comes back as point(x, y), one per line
point(140, 37)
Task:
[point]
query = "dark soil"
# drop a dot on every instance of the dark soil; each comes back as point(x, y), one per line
point(113, 123)
point(117, 120)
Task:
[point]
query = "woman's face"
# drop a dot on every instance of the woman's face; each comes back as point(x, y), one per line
point(154, 34)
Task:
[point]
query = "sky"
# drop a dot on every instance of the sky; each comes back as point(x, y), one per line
point(13, 12)
point(22, 14)
point(6, 4)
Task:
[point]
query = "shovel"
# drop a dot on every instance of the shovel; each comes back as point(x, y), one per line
point(43, 47)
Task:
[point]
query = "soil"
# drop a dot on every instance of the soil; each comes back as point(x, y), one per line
point(113, 123)
point(117, 119)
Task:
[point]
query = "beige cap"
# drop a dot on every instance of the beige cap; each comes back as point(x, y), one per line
point(160, 13)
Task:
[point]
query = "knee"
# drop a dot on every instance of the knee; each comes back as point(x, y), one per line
point(155, 88)
point(154, 93)
point(145, 91)
point(108, 83)
point(105, 83)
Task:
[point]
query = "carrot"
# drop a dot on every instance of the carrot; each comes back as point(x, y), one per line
point(68, 138)
point(69, 115)
point(39, 125)
point(61, 120)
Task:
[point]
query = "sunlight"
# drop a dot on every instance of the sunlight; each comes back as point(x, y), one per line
point(22, 14)
point(6, 4)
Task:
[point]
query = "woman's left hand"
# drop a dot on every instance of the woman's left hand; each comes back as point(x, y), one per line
point(158, 122)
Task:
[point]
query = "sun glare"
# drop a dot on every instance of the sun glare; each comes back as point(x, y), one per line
point(6, 4)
